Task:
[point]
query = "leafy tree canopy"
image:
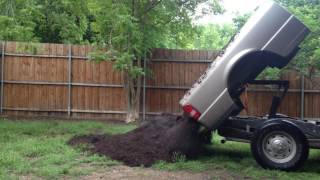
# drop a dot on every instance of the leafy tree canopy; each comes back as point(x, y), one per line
point(81, 21)
point(212, 36)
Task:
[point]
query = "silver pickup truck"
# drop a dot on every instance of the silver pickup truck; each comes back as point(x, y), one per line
point(270, 38)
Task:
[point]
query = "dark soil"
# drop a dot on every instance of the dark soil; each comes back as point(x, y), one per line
point(166, 138)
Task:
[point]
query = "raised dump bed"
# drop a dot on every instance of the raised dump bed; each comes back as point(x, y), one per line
point(270, 38)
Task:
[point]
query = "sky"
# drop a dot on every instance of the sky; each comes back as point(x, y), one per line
point(232, 7)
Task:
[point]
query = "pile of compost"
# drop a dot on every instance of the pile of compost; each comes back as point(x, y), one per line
point(166, 138)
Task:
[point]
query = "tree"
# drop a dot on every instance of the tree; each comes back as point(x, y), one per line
point(16, 21)
point(62, 21)
point(212, 36)
point(240, 20)
point(308, 59)
point(55, 21)
point(127, 30)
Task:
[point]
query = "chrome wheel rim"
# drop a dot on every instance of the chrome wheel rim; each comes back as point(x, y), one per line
point(279, 147)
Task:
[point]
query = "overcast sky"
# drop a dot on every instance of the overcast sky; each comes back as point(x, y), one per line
point(231, 7)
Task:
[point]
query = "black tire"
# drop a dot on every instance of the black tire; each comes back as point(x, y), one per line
point(280, 146)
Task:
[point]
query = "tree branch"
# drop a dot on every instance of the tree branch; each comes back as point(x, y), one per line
point(151, 5)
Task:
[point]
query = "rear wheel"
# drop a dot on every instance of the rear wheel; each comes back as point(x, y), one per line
point(280, 146)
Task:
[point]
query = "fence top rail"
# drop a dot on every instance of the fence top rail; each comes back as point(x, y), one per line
point(182, 60)
point(173, 87)
point(51, 50)
point(88, 58)
point(45, 56)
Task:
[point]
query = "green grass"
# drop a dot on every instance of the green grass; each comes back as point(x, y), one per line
point(236, 159)
point(38, 148)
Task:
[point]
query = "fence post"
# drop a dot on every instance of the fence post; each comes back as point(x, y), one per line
point(2, 75)
point(302, 96)
point(69, 78)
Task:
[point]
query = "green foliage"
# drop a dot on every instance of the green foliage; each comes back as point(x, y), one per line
point(128, 29)
point(178, 157)
point(213, 36)
point(55, 21)
point(10, 30)
point(240, 20)
point(270, 74)
point(16, 20)
point(62, 20)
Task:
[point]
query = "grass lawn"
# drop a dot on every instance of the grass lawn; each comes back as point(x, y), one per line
point(38, 149)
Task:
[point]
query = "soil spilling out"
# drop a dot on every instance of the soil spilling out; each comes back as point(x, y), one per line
point(163, 138)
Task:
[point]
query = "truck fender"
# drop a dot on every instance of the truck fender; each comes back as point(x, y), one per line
point(247, 65)
point(277, 121)
point(235, 59)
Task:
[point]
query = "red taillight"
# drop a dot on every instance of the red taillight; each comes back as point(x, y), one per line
point(194, 113)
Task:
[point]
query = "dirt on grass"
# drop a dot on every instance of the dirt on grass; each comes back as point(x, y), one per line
point(136, 173)
point(166, 137)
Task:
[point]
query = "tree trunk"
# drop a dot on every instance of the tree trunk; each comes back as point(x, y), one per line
point(128, 96)
point(138, 93)
point(133, 92)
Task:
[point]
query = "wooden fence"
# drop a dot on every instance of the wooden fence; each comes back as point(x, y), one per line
point(57, 80)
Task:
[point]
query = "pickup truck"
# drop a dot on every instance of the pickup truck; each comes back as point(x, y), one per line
point(270, 38)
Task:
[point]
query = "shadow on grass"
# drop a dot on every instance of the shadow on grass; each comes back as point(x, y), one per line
point(312, 165)
point(227, 152)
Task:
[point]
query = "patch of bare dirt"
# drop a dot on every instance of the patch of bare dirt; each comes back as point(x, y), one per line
point(124, 172)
